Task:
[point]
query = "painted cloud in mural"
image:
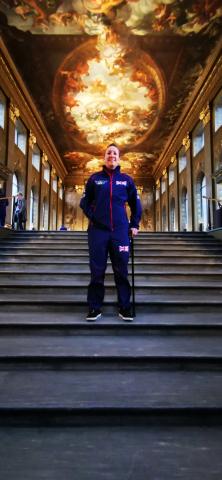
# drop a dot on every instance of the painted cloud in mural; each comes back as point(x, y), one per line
point(86, 16)
point(105, 91)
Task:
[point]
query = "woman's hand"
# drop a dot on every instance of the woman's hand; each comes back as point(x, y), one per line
point(134, 231)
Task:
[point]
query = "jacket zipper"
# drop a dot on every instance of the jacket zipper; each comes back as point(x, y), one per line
point(111, 199)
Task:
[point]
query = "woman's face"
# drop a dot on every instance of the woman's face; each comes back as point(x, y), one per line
point(112, 157)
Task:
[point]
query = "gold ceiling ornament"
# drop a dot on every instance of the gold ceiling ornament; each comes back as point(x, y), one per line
point(186, 142)
point(44, 159)
point(205, 115)
point(173, 159)
point(164, 172)
point(60, 183)
point(158, 183)
point(139, 189)
point(53, 173)
point(79, 189)
point(32, 139)
point(13, 112)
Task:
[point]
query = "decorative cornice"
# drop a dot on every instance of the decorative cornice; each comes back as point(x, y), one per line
point(18, 91)
point(205, 115)
point(186, 142)
point(13, 112)
point(32, 139)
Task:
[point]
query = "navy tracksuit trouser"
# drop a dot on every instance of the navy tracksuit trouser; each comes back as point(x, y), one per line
point(117, 245)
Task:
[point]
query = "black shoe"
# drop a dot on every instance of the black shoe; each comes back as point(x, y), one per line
point(93, 315)
point(126, 314)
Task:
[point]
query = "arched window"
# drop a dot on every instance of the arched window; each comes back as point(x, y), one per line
point(172, 215)
point(54, 219)
point(184, 210)
point(204, 210)
point(201, 202)
point(15, 189)
point(31, 218)
point(164, 218)
point(45, 214)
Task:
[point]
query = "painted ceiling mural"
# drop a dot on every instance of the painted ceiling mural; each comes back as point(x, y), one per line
point(111, 70)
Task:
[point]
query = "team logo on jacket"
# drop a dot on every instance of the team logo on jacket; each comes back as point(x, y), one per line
point(100, 182)
point(119, 182)
point(123, 248)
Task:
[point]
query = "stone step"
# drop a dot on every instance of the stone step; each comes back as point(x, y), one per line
point(110, 343)
point(142, 282)
point(84, 253)
point(138, 242)
point(80, 267)
point(83, 258)
point(69, 233)
point(82, 278)
point(203, 294)
point(107, 384)
point(61, 247)
point(151, 314)
point(109, 450)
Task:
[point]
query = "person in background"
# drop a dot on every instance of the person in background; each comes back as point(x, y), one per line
point(106, 195)
point(3, 205)
point(19, 217)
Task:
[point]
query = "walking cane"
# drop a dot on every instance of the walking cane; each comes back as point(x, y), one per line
point(133, 284)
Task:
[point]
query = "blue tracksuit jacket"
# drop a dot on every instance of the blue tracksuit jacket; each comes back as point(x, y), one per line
point(105, 197)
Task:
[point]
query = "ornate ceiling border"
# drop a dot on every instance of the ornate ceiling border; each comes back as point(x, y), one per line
point(204, 92)
point(14, 86)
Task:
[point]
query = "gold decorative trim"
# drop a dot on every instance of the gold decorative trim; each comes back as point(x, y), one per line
point(53, 173)
point(44, 159)
point(13, 112)
point(158, 183)
point(164, 172)
point(173, 159)
point(186, 142)
point(32, 139)
point(205, 115)
point(60, 183)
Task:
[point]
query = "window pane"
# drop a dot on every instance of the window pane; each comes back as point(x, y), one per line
point(171, 175)
point(198, 139)
point(36, 158)
point(54, 185)
point(46, 174)
point(217, 111)
point(20, 136)
point(2, 109)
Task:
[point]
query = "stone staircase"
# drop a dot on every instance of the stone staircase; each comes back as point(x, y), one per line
point(110, 400)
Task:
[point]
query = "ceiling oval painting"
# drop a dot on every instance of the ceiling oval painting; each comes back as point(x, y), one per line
point(104, 91)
